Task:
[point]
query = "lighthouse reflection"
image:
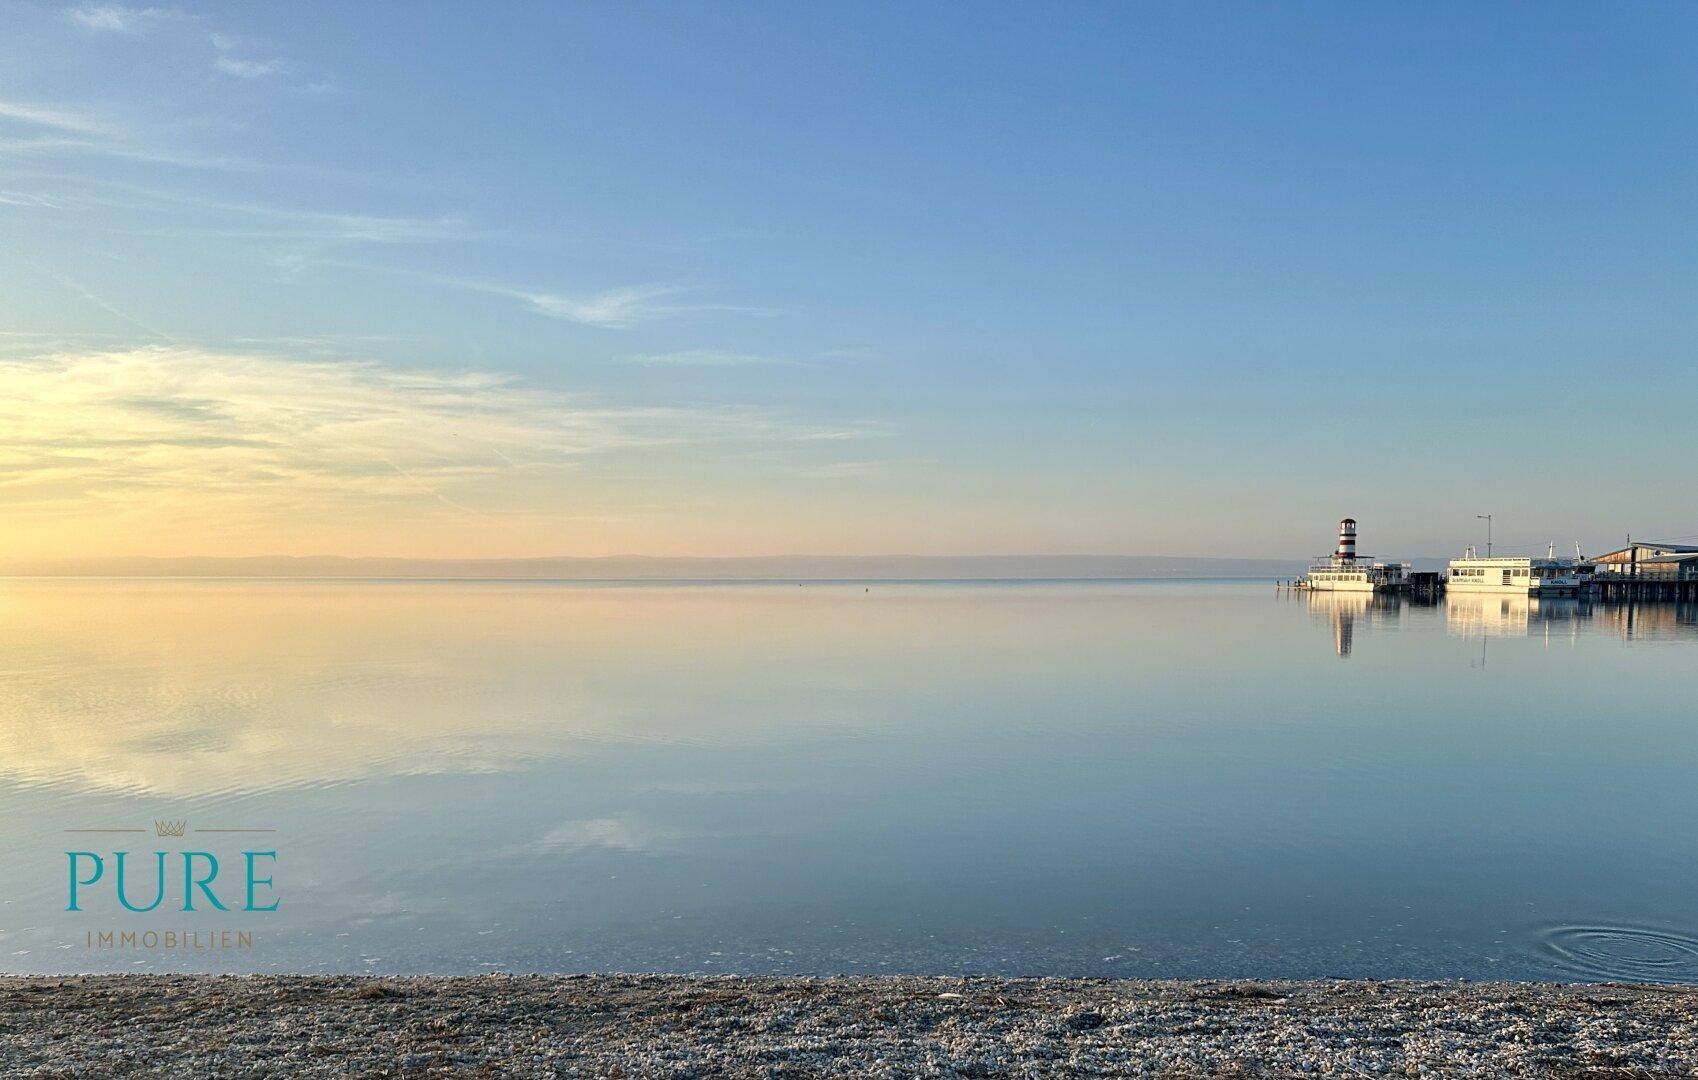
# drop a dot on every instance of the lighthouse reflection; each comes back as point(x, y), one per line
point(1343, 610)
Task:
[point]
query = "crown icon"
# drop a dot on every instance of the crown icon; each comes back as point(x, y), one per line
point(169, 828)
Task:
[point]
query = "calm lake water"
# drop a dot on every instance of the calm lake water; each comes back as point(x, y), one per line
point(1128, 779)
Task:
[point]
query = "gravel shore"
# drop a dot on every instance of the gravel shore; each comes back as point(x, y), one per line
point(664, 1025)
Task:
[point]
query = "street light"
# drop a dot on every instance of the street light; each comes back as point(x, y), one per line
point(1487, 518)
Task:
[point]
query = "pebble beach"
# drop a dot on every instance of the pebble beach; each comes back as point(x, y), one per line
point(688, 1026)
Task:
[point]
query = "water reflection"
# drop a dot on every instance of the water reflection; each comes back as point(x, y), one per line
point(1342, 610)
point(201, 690)
point(1473, 615)
point(1648, 619)
point(1105, 779)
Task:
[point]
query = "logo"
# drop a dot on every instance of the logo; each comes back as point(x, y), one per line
point(215, 868)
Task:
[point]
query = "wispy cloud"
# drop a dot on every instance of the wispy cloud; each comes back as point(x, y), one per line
point(227, 45)
point(614, 308)
point(846, 470)
point(248, 69)
point(107, 425)
point(233, 439)
point(226, 218)
point(232, 54)
point(52, 116)
point(28, 198)
point(118, 19)
point(55, 130)
point(58, 145)
point(705, 358)
point(334, 225)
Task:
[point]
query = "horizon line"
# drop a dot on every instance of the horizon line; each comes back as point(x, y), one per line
point(658, 568)
point(639, 555)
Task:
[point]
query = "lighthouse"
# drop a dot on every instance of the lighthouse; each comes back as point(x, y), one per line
point(1346, 541)
point(1345, 571)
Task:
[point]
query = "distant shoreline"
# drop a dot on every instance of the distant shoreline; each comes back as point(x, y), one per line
point(652, 568)
point(649, 1025)
point(615, 582)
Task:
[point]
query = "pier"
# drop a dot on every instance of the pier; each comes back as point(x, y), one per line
point(1622, 587)
point(1647, 570)
point(1425, 584)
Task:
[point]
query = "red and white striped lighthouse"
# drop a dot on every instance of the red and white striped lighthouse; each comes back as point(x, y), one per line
point(1346, 540)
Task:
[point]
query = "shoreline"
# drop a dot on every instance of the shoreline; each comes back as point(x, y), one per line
point(678, 1025)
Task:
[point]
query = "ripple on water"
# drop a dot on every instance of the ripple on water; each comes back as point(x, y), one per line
point(1625, 953)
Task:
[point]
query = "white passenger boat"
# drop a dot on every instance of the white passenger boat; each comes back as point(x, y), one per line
point(1521, 574)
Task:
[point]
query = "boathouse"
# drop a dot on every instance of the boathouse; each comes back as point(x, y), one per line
point(1648, 570)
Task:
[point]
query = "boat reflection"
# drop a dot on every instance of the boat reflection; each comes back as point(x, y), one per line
point(1504, 615)
point(1514, 615)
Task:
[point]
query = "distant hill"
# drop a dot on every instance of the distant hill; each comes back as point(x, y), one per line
point(647, 568)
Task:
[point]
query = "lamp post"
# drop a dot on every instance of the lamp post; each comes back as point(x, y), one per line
point(1487, 518)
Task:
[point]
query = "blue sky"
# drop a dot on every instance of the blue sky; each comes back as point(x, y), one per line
point(871, 278)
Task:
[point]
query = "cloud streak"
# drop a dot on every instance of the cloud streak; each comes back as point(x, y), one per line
point(612, 309)
point(52, 116)
point(263, 222)
point(705, 358)
point(226, 45)
point(609, 309)
point(56, 130)
point(117, 19)
point(228, 49)
point(193, 437)
point(248, 69)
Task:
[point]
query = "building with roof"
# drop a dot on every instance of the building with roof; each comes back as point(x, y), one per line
point(1649, 570)
point(1651, 560)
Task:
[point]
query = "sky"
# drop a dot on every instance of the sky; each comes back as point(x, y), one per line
point(736, 279)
